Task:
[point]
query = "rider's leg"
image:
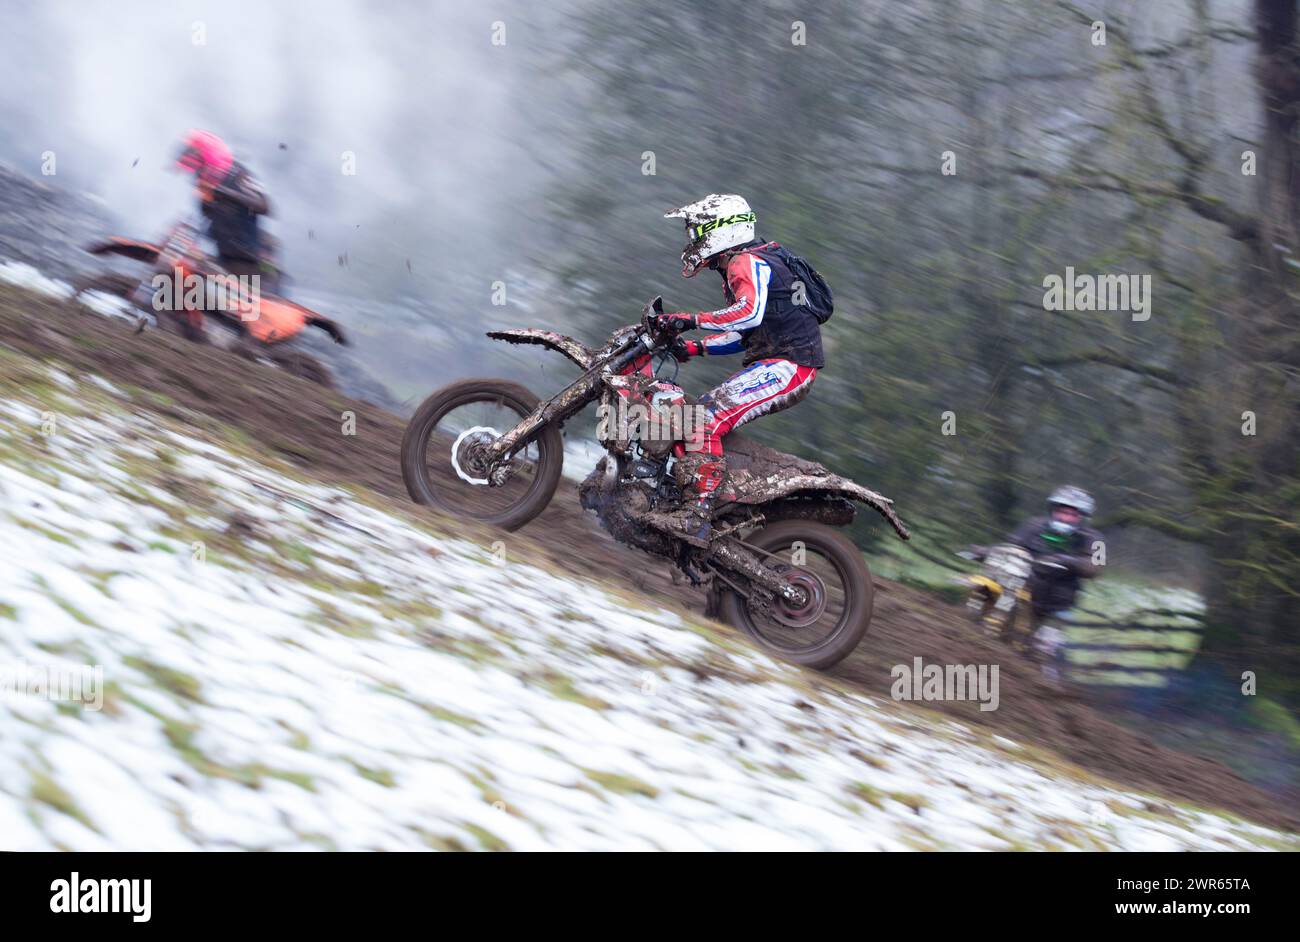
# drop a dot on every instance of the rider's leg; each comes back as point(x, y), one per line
point(256, 281)
point(1049, 644)
point(763, 387)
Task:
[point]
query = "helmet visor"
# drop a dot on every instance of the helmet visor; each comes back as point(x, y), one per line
point(189, 159)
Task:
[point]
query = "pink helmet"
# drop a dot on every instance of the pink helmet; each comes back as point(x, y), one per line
point(205, 154)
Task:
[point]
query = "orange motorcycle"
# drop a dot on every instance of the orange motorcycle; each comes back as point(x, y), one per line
point(186, 292)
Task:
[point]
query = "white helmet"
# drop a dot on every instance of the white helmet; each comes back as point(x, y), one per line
point(1068, 495)
point(713, 224)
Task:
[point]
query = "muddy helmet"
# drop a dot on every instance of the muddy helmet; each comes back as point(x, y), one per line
point(1068, 495)
point(714, 224)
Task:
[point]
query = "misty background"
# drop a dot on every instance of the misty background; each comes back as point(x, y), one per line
point(455, 141)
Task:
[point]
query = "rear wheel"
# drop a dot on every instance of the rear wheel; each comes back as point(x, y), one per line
point(831, 617)
point(443, 454)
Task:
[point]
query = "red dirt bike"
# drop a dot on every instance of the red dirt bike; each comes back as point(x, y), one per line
point(259, 324)
point(488, 449)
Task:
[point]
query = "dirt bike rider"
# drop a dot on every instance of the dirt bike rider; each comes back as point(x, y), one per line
point(1062, 545)
point(781, 341)
point(232, 201)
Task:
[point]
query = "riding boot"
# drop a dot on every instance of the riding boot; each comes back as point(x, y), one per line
point(700, 476)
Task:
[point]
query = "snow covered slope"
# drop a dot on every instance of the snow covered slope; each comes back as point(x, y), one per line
point(287, 665)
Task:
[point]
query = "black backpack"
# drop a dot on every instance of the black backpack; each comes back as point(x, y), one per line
point(817, 293)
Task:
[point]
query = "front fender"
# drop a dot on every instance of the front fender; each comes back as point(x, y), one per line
point(575, 350)
point(991, 586)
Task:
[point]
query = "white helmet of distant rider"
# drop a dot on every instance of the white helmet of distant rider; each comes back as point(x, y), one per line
point(714, 224)
point(1068, 507)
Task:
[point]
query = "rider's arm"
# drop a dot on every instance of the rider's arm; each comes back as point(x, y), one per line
point(1081, 564)
point(1024, 535)
point(747, 277)
point(247, 192)
point(717, 345)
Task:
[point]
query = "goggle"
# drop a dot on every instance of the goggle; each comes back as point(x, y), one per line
point(189, 158)
point(699, 232)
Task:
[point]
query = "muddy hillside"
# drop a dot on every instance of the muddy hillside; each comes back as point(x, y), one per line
point(300, 424)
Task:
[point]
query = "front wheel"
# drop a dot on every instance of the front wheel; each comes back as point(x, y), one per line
point(836, 608)
point(110, 283)
point(443, 446)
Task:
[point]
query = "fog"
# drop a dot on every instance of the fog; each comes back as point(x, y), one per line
point(443, 125)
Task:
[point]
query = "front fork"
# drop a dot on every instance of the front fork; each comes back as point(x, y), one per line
point(503, 448)
point(554, 411)
point(560, 408)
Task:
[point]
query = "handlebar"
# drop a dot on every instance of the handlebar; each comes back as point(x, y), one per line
point(649, 312)
point(660, 338)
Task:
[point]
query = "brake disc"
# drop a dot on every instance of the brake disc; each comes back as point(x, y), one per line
point(813, 606)
point(482, 436)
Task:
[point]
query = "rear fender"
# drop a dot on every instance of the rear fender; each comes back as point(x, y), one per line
point(832, 485)
point(275, 320)
point(329, 325)
point(130, 248)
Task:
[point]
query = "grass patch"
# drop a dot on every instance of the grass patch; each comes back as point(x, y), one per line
point(621, 784)
point(382, 777)
point(49, 792)
point(914, 802)
point(46, 532)
point(869, 793)
point(177, 682)
point(442, 714)
point(330, 617)
point(487, 840)
point(1275, 718)
point(562, 688)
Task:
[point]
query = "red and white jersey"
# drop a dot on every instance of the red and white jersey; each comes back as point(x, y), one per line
point(756, 319)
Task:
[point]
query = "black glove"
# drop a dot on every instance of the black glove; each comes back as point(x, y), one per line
point(1053, 564)
point(683, 350)
point(675, 323)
